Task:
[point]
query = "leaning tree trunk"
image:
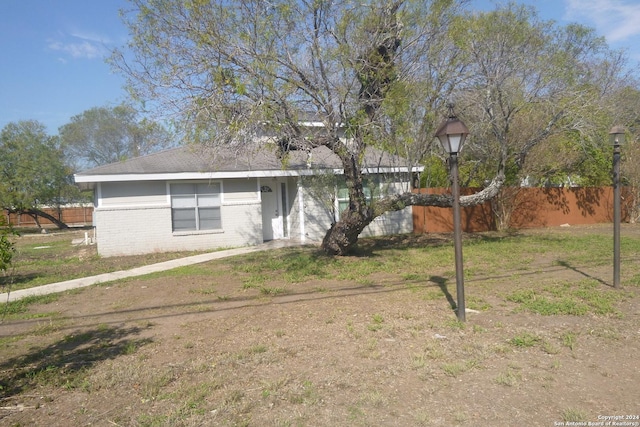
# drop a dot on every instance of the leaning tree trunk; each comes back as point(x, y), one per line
point(35, 213)
point(376, 73)
point(343, 235)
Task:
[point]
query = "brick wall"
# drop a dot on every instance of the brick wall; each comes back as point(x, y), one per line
point(133, 231)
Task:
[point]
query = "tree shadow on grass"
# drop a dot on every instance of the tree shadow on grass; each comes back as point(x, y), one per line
point(14, 281)
point(371, 246)
point(65, 363)
point(565, 264)
point(442, 284)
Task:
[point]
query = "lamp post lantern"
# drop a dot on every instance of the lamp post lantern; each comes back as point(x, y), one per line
point(617, 139)
point(452, 134)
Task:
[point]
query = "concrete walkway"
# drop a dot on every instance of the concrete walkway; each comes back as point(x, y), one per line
point(140, 271)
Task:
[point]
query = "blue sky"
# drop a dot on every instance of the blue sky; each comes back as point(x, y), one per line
point(53, 51)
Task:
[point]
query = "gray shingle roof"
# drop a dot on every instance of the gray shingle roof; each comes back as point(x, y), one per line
point(192, 159)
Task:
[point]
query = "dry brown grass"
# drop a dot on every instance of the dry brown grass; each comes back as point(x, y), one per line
point(356, 342)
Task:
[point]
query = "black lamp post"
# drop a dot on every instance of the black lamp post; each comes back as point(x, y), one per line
point(617, 139)
point(452, 134)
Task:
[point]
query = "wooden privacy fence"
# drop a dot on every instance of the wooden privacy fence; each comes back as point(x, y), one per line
point(527, 208)
point(70, 215)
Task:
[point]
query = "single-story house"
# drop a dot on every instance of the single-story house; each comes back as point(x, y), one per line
point(185, 199)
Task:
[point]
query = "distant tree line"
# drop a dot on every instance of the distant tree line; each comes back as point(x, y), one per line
point(36, 169)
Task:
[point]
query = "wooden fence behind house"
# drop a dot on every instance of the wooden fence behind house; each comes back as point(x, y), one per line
point(71, 215)
point(532, 207)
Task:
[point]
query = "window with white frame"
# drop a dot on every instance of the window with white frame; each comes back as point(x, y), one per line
point(371, 188)
point(195, 206)
point(343, 198)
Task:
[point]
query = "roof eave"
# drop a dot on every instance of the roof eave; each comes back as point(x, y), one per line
point(177, 176)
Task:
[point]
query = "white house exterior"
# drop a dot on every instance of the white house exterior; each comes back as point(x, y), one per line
point(184, 200)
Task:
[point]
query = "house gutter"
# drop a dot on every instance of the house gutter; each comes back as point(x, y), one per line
point(80, 179)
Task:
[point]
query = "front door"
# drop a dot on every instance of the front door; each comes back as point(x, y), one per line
point(274, 212)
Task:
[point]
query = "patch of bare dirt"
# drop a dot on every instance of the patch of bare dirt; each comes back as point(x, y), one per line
point(203, 350)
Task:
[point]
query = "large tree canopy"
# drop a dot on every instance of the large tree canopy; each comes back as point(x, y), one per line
point(103, 135)
point(537, 100)
point(32, 170)
point(627, 103)
point(230, 68)
point(530, 82)
point(375, 73)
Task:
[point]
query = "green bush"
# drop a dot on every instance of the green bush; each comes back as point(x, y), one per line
point(7, 248)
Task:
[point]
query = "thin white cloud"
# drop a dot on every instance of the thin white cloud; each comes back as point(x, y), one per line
point(78, 50)
point(80, 45)
point(91, 37)
point(617, 20)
